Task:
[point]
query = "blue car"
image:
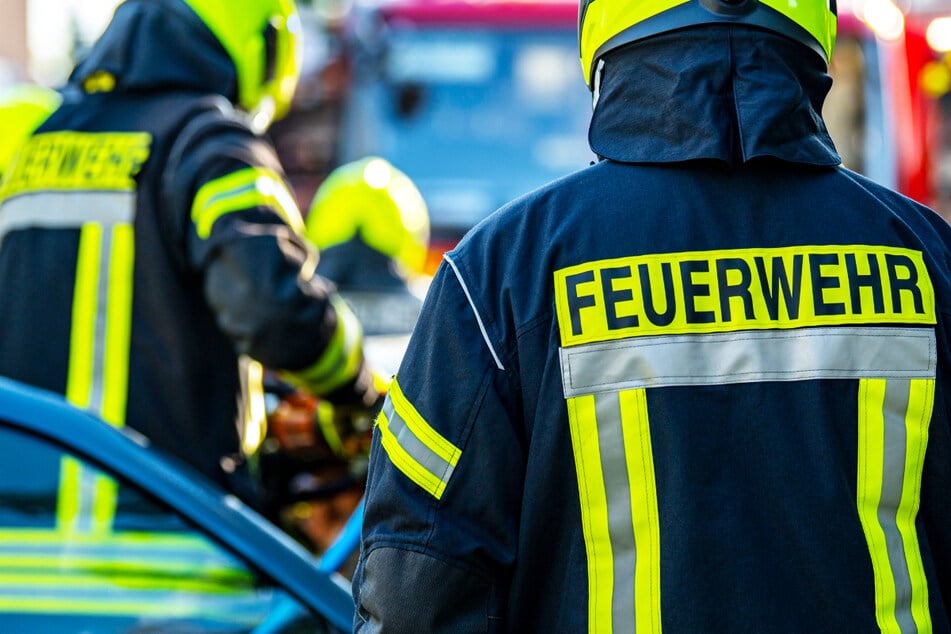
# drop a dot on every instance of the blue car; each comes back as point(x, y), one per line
point(149, 545)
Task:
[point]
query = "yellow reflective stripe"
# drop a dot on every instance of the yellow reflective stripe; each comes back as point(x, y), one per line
point(325, 419)
point(105, 499)
point(49, 537)
point(147, 579)
point(98, 363)
point(918, 419)
point(254, 409)
point(79, 380)
point(870, 466)
point(341, 359)
point(83, 333)
point(138, 552)
point(405, 463)
point(420, 428)
point(610, 438)
point(413, 446)
point(68, 498)
point(118, 325)
point(582, 422)
point(646, 518)
point(145, 606)
point(887, 512)
point(244, 189)
point(62, 563)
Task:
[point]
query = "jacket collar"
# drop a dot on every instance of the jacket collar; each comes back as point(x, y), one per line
point(725, 93)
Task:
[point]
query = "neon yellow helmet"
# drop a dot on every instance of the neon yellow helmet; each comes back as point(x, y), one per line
point(263, 38)
point(371, 199)
point(22, 109)
point(604, 25)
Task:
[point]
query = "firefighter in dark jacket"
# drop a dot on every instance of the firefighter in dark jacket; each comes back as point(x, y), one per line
point(699, 386)
point(149, 239)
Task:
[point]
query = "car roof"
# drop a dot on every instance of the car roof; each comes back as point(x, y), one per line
point(221, 515)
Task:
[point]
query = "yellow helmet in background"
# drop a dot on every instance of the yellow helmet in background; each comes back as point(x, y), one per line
point(22, 109)
point(604, 25)
point(376, 202)
point(263, 38)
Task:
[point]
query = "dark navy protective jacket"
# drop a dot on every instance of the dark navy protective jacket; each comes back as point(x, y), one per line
point(148, 240)
point(699, 386)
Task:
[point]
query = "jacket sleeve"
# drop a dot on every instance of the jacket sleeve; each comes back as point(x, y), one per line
point(443, 497)
point(239, 233)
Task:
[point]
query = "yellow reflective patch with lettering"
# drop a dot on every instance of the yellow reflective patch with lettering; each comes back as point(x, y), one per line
point(78, 160)
point(742, 289)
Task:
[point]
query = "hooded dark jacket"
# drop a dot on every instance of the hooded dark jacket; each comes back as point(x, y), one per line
point(148, 241)
point(699, 386)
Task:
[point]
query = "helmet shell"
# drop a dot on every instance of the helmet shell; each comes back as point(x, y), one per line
point(604, 25)
point(376, 202)
point(23, 108)
point(263, 39)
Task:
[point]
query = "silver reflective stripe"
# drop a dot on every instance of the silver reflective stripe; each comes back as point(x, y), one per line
point(895, 446)
point(97, 389)
point(66, 210)
point(414, 447)
point(749, 356)
point(617, 488)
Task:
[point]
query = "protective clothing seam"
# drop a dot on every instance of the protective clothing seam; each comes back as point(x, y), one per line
point(485, 333)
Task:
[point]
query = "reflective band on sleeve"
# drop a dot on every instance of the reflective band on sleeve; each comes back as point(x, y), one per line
point(749, 356)
point(413, 446)
point(341, 359)
point(245, 189)
point(894, 416)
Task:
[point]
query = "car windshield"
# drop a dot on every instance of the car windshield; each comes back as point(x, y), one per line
point(475, 116)
point(80, 552)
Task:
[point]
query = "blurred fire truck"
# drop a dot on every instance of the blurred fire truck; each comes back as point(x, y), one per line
point(889, 110)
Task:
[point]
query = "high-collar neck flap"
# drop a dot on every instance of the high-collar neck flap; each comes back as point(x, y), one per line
point(722, 92)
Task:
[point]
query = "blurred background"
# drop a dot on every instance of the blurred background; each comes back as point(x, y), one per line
point(479, 102)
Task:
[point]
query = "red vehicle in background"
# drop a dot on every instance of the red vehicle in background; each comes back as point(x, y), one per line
point(884, 110)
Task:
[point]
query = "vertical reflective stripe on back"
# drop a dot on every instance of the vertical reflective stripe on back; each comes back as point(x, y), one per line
point(86, 181)
point(893, 435)
point(99, 362)
point(118, 331)
point(72, 502)
point(583, 423)
point(614, 461)
point(646, 518)
point(895, 368)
